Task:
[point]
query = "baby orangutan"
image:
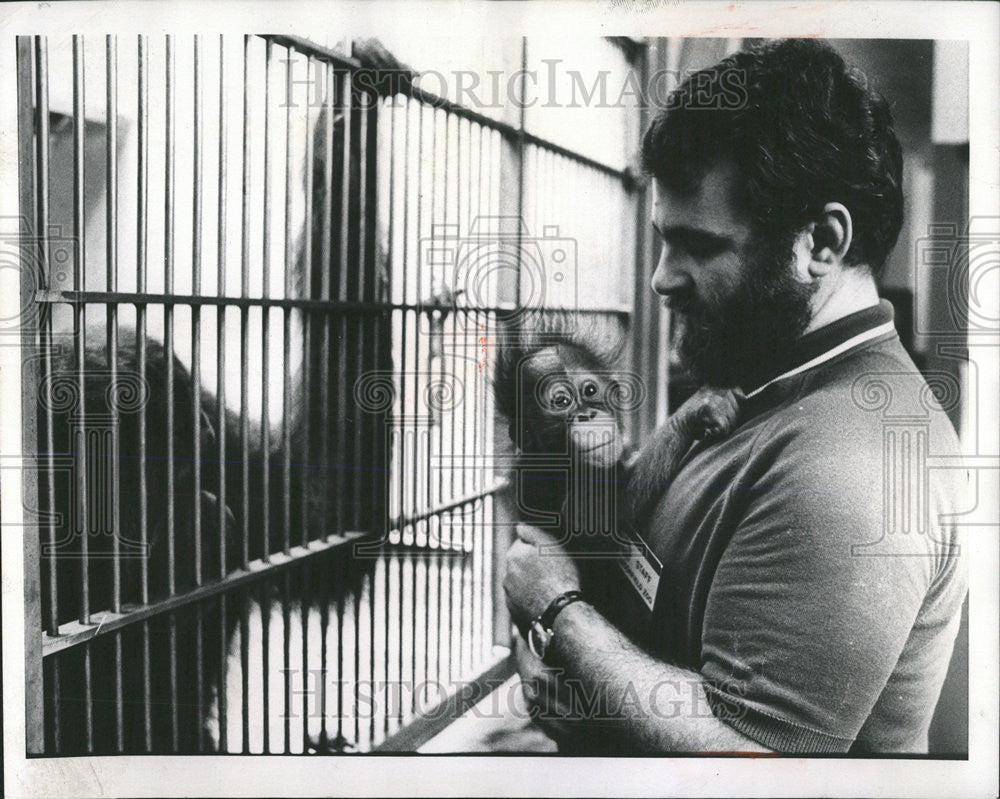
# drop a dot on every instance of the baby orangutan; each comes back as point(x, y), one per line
point(574, 474)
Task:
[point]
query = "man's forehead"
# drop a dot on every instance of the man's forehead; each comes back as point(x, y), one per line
point(711, 207)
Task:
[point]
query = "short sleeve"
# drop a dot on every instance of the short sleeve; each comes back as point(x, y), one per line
point(800, 633)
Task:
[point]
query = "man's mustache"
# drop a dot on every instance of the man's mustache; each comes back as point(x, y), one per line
point(680, 303)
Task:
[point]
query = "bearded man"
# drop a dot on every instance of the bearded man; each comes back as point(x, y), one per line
point(772, 601)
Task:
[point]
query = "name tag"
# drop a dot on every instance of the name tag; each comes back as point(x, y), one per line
point(642, 569)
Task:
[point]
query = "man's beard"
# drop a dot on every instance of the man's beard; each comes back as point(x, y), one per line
point(748, 333)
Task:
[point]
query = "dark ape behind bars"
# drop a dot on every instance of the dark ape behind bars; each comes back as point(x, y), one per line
point(160, 460)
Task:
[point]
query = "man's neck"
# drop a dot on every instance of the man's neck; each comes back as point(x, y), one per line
point(854, 292)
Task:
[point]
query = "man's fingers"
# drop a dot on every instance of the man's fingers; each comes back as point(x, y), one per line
point(519, 548)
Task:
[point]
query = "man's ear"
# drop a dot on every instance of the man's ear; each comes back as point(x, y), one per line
point(831, 236)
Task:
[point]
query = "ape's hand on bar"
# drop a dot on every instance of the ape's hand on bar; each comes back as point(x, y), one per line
point(391, 74)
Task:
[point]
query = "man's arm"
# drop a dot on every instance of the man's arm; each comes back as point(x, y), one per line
point(654, 706)
point(662, 708)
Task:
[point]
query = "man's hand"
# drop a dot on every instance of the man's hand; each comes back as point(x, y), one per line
point(547, 700)
point(538, 570)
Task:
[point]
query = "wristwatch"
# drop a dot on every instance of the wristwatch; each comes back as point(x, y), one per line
point(540, 629)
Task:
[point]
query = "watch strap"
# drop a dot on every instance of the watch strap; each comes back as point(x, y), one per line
point(548, 617)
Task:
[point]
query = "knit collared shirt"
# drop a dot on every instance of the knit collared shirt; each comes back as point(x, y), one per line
point(811, 564)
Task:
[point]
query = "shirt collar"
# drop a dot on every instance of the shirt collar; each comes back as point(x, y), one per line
point(829, 341)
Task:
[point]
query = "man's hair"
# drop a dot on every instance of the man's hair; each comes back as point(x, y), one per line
point(802, 130)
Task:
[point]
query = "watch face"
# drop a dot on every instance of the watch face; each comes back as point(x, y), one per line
point(538, 639)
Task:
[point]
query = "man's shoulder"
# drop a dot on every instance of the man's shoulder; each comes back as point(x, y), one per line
point(854, 404)
point(838, 432)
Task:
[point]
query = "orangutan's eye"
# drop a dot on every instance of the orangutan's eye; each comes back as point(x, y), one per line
point(561, 400)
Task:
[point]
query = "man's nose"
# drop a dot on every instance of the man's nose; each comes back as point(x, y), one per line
point(667, 281)
point(586, 414)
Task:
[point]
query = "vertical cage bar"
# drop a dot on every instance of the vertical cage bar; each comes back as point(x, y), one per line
point(41, 677)
point(286, 319)
point(42, 70)
point(199, 668)
point(265, 414)
point(286, 641)
point(223, 175)
point(485, 142)
point(244, 327)
point(245, 669)
point(433, 346)
point(221, 313)
point(84, 541)
point(112, 350)
point(341, 573)
point(168, 347)
point(41, 124)
point(142, 216)
point(304, 607)
point(265, 322)
point(418, 432)
point(356, 587)
point(79, 281)
point(244, 406)
point(362, 346)
point(380, 288)
point(223, 654)
point(324, 626)
point(435, 353)
point(383, 558)
point(196, 267)
point(306, 470)
point(347, 103)
point(326, 267)
point(220, 391)
point(286, 443)
point(264, 598)
point(456, 453)
point(512, 170)
point(400, 432)
point(371, 642)
point(464, 359)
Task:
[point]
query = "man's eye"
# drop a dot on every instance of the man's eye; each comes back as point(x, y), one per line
point(590, 389)
point(703, 249)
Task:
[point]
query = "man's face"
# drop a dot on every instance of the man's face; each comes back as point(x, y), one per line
point(738, 305)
